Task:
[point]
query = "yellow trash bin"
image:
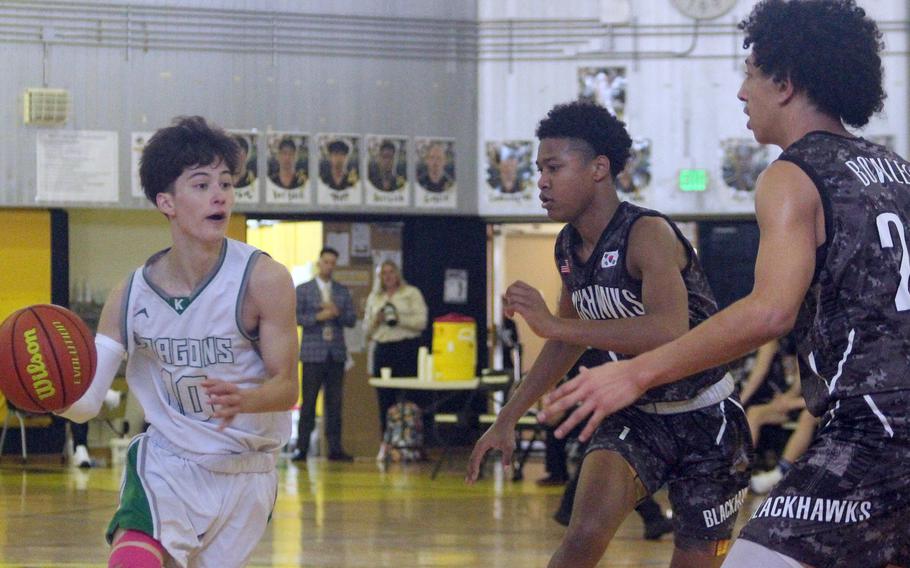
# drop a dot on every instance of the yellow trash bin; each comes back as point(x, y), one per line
point(454, 348)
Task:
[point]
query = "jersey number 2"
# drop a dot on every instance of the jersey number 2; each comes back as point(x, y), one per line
point(902, 298)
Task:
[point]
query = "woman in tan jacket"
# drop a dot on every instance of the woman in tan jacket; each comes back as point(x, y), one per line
point(394, 319)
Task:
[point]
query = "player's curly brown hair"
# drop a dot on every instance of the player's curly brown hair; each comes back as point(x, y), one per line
point(829, 49)
point(190, 141)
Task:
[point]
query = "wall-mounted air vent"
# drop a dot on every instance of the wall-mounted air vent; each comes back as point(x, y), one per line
point(46, 106)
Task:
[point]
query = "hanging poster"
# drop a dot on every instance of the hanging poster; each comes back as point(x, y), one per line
point(246, 181)
point(338, 181)
point(605, 86)
point(288, 168)
point(436, 185)
point(743, 159)
point(360, 240)
point(77, 165)
point(633, 181)
point(455, 287)
point(387, 171)
point(508, 185)
point(138, 140)
point(341, 242)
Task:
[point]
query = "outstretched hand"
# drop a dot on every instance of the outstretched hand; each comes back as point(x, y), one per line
point(225, 398)
point(497, 437)
point(522, 298)
point(594, 394)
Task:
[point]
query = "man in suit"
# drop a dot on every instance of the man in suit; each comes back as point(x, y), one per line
point(324, 308)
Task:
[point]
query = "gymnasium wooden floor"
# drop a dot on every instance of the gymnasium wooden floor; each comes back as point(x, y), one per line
point(327, 514)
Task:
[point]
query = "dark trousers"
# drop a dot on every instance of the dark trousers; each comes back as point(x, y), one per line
point(555, 455)
point(80, 433)
point(329, 376)
point(401, 356)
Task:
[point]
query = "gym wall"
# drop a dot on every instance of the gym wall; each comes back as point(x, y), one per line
point(681, 81)
point(394, 68)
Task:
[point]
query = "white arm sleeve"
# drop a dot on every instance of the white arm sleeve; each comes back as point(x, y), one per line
point(110, 354)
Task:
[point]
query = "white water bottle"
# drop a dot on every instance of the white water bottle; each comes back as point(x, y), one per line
point(422, 355)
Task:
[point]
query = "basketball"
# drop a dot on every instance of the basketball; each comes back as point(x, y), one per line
point(47, 358)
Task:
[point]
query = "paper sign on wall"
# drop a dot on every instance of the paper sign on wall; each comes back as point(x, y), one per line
point(77, 165)
point(456, 286)
point(341, 242)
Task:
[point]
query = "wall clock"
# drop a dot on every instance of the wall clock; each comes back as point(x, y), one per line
point(704, 9)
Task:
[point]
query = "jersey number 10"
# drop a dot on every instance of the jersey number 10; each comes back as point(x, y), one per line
point(902, 298)
point(186, 396)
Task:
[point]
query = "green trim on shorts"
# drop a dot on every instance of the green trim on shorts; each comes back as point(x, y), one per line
point(134, 512)
point(275, 502)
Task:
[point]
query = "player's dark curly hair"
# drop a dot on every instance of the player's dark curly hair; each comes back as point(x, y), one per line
point(603, 133)
point(189, 142)
point(829, 49)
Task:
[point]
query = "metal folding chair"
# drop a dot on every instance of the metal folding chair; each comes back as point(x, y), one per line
point(20, 416)
point(489, 383)
point(527, 423)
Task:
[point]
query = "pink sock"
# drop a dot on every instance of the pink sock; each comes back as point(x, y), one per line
point(136, 549)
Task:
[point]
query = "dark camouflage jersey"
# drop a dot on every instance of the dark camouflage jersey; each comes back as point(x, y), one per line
point(854, 325)
point(602, 288)
point(702, 456)
point(844, 503)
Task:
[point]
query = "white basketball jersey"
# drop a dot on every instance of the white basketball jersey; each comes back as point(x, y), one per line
point(176, 343)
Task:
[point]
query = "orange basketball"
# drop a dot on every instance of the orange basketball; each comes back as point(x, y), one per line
point(47, 358)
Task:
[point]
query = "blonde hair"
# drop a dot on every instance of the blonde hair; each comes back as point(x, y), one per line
point(377, 280)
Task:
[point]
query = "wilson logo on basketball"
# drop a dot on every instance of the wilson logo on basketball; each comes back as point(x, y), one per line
point(71, 349)
point(36, 368)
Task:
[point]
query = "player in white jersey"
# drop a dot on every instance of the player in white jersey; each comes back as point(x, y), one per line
point(208, 326)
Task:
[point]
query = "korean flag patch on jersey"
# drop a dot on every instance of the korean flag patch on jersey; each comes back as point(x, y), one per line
point(610, 258)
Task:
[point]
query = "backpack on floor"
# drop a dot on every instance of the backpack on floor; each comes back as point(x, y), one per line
point(403, 437)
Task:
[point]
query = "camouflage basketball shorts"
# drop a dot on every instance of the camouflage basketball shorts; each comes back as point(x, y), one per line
point(846, 501)
point(703, 456)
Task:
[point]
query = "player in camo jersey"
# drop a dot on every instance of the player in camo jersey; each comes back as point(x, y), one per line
point(833, 265)
point(631, 281)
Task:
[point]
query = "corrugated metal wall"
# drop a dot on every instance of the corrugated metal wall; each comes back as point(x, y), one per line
point(405, 68)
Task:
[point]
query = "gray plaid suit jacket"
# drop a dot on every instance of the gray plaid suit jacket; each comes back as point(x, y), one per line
point(313, 348)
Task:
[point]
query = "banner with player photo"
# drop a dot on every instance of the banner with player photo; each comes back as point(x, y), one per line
point(436, 184)
point(138, 140)
point(338, 182)
point(246, 180)
point(387, 171)
point(288, 168)
point(634, 180)
point(743, 159)
point(509, 186)
point(605, 86)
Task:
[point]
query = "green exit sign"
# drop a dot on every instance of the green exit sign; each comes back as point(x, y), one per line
point(693, 180)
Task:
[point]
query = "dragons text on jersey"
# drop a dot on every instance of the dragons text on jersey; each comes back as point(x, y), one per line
point(188, 351)
point(175, 346)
